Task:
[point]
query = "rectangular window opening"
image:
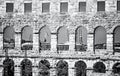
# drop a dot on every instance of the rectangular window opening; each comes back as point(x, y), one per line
point(101, 6)
point(45, 7)
point(64, 7)
point(82, 6)
point(9, 7)
point(27, 7)
point(118, 5)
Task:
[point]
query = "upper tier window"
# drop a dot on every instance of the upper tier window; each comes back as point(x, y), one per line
point(9, 7)
point(101, 6)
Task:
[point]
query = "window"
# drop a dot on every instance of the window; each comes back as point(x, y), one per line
point(26, 68)
point(99, 67)
point(9, 7)
point(62, 68)
point(63, 7)
point(62, 38)
point(118, 5)
point(82, 6)
point(8, 38)
point(27, 38)
point(116, 39)
point(27, 7)
point(101, 6)
point(45, 7)
point(81, 39)
point(80, 68)
point(99, 38)
point(44, 67)
point(44, 38)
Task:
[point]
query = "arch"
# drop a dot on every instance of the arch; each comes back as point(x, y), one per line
point(116, 39)
point(116, 68)
point(44, 67)
point(8, 67)
point(8, 37)
point(62, 38)
point(62, 68)
point(26, 68)
point(80, 67)
point(100, 38)
point(44, 38)
point(99, 67)
point(27, 38)
point(81, 39)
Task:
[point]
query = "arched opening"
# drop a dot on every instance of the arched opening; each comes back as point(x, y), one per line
point(116, 68)
point(81, 39)
point(62, 38)
point(80, 68)
point(27, 38)
point(44, 67)
point(62, 68)
point(99, 67)
point(100, 38)
point(8, 38)
point(8, 67)
point(116, 39)
point(44, 38)
point(26, 68)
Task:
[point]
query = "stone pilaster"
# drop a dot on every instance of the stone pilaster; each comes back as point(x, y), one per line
point(53, 43)
point(90, 41)
point(110, 43)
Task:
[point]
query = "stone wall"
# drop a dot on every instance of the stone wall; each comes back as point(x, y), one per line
point(72, 20)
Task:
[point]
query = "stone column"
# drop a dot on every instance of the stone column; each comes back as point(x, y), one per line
point(72, 43)
point(53, 43)
point(1, 42)
point(89, 72)
point(1, 71)
point(110, 43)
point(18, 42)
point(53, 67)
point(71, 69)
point(17, 71)
point(35, 44)
point(35, 71)
point(90, 46)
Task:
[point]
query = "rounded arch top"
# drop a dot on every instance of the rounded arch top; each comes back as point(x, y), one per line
point(61, 62)
point(6, 61)
point(99, 27)
point(44, 63)
point(82, 63)
point(24, 61)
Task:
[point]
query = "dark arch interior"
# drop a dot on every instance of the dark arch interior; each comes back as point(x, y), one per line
point(8, 37)
point(100, 38)
point(8, 67)
point(62, 68)
point(44, 65)
point(26, 68)
point(27, 38)
point(116, 68)
point(80, 68)
point(116, 39)
point(44, 38)
point(99, 67)
point(81, 39)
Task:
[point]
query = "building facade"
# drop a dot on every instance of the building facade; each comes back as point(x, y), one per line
point(59, 37)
